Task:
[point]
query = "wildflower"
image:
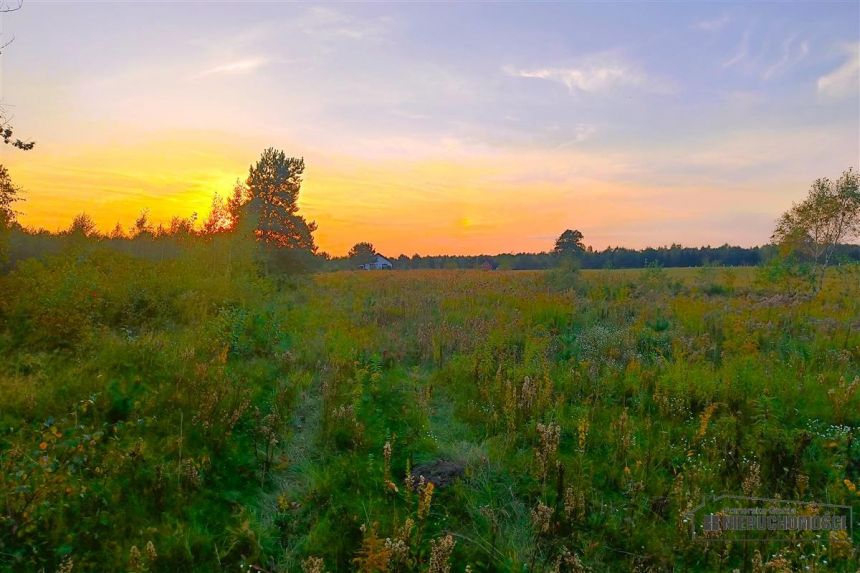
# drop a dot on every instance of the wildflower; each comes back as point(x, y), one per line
point(582, 427)
point(850, 485)
point(757, 562)
point(43, 446)
point(409, 481)
point(574, 504)
point(705, 419)
point(683, 517)
point(67, 565)
point(190, 473)
point(549, 437)
point(313, 565)
point(134, 557)
point(753, 479)
point(399, 544)
point(406, 529)
point(541, 516)
point(151, 553)
point(569, 501)
point(840, 544)
point(425, 496)
point(375, 554)
point(778, 564)
point(283, 502)
point(440, 554)
point(386, 457)
point(527, 394)
point(398, 549)
point(568, 562)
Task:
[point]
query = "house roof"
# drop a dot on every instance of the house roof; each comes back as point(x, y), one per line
point(378, 260)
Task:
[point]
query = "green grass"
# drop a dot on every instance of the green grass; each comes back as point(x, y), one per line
point(225, 422)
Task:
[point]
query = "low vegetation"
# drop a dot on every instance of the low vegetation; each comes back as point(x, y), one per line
point(177, 415)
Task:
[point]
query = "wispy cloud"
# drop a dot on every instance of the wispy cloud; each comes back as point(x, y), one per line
point(711, 25)
point(768, 57)
point(742, 51)
point(581, 133)
point(844, 80)
point(243, 66)
point(793, 52)
point(594, 77)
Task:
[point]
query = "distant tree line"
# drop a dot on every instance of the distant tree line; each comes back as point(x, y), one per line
point(817, 232)
point(609, 258)
point(264, 208)
point(166, 241)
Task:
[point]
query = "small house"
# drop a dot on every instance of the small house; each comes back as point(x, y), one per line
point(378, 263)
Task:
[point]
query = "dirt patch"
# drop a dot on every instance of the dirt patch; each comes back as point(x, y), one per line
point(440, 472)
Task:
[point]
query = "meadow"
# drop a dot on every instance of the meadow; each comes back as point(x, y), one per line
point(191, 415)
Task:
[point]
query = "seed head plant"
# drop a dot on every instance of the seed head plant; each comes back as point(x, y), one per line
point(440, 554)
point(545, 451)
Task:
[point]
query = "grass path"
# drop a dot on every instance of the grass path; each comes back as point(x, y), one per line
point(499, 519)
point(292, 478)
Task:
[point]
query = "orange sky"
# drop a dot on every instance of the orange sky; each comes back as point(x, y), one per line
point(450, 200)
point(425, 205)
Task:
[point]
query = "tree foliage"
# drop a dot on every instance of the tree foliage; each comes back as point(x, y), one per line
point(8, 195)
point(829, 215)
point(569, 242)
point(362, 253)
point(142, 226)
point(224, 215)
point(273, 187)
point(6, 133)
point(82, 226)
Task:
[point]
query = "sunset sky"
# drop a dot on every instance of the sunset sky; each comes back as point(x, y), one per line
point(439, 129)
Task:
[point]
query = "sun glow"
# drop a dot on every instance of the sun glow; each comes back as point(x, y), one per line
point(488, 202)
point(167, 177)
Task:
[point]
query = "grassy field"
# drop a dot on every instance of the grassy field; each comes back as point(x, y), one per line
point(185, 416)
